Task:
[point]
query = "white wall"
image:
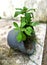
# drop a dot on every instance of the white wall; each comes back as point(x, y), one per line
point(41, 8)
point(7, 7)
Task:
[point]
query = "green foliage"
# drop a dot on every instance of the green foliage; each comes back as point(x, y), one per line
point(21, 37)
point(28, 31)
point(26, 25)
point(15, 24)
point(24, 10)
point(0, 17)
point(17, 13)
point(28, 17)
point(18, 9)
point(23, 23)
point(31, 10)
point(34, 23)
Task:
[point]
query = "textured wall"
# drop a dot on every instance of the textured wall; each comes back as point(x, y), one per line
point(7, 7)
point(41, 8)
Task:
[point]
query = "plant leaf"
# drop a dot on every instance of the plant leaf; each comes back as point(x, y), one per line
point(28, 17)
point(0, 17)
point(18, 9)
point(28, 31)
point(34, 23)
point(23, 23)
point(17, 13)
point(31, 10)
point(22, 29)
point(15, 24)
point(21, 37)
point(17, 28)
point(24, 10)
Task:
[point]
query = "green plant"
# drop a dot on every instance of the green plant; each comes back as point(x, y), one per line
point(26, 24)
point(0, 17)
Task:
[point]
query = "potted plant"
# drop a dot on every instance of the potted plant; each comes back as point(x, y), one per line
point(23, 37)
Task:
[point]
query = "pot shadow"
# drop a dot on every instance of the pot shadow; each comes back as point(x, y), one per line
point(24, 58)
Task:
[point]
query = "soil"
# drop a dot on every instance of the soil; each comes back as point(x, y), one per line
point(30, 39)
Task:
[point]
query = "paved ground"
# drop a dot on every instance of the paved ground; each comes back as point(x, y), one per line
point(16, 58)
point(45, 51)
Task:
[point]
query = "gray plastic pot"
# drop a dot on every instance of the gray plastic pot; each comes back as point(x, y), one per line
point(13, 43)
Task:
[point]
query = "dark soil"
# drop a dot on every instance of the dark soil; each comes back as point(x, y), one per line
point(29, 39)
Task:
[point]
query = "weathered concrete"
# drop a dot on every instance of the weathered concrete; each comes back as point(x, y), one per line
point(10, 57)
point(41, 9)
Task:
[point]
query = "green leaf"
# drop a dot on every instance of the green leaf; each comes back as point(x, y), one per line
point(15, 24)
point(17, 28)
point(23, 23)
point(18, 9)
point(21, 37)
point(34, 23)
point(24, 10)
point(28, 31)
point(17, 13)
point(31, 10)
point(28, 17)
point(22, 29)
point(0, 17)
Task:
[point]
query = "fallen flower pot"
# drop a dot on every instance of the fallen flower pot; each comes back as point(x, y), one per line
point(23, 37)
point(13, 43)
